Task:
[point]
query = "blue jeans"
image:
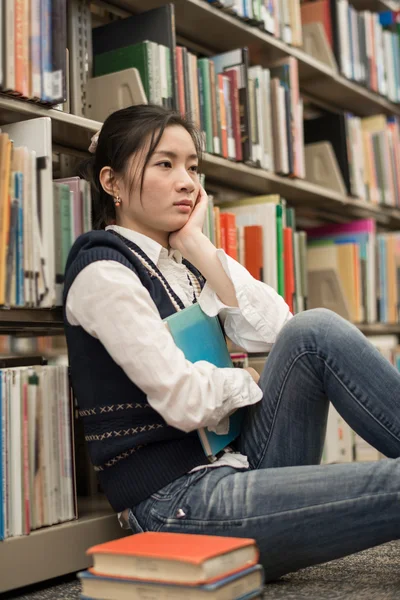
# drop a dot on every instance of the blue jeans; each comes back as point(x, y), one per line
point(300, 512)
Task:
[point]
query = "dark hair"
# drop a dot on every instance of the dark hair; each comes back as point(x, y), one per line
point(124, 133)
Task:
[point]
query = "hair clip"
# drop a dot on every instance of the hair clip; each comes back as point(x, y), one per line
point(93, 142)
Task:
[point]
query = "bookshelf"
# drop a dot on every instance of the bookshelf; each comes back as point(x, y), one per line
point(202, 23)
point(71, 134)
point(60, 549)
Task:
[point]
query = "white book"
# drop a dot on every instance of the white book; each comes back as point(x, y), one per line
point(16, 454)
point(36, 135)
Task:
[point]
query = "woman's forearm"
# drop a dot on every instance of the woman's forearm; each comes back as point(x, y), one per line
point(202, 253)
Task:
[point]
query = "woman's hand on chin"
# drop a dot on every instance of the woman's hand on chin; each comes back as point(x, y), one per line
point(193, 229)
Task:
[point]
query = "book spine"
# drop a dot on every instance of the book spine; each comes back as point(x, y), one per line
point(205, 77)
point(35, 46)
point(46, 57)
point(21, 47)
point(58, 47)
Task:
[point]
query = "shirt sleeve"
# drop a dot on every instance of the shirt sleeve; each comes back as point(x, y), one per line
point(111, 304)
point(261, 314)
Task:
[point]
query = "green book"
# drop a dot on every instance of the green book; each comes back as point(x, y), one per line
point(204, 73)
point(280, 251)
point(139, 56)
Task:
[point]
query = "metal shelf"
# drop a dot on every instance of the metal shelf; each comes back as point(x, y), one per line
point(202, 24)
point(59, 549)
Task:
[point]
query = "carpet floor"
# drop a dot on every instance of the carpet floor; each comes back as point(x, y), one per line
point(369, 575)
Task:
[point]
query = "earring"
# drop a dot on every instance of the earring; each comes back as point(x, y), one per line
point(117, 201)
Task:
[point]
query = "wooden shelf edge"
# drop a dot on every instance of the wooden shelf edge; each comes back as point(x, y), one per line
point(56, 550)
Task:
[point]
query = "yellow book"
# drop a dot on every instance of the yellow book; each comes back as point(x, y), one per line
point(5, 165)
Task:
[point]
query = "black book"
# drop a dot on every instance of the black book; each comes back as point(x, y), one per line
point(157, 25)
point(58, 50)
point(331, 127)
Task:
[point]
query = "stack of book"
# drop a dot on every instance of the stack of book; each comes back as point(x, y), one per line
point(160, 566)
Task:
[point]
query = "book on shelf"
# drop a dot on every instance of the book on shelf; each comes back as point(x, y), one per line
point(367, 151)
point(37, 487)
point(201, 337)
point(33, 54)
point(363, 234)
point(366, 44)
point(180, 558)
point(39, 218)
point(240, 586)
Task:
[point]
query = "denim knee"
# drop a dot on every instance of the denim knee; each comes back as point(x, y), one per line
point(314, 323)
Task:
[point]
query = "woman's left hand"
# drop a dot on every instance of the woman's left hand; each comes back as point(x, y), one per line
point(194, 224)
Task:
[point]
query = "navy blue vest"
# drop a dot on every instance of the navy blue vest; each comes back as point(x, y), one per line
point(132, 448)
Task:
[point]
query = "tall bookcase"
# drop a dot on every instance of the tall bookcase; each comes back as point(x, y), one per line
point(60, 549)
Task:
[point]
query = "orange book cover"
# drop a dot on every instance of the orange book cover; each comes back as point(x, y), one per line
point(289, 266)
point(253, 250)
point(180, 77)
point(21, 47)
point(228, 234)
point(224, 132)
point(184, 547)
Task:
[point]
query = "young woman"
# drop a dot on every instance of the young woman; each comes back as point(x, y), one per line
point(142, 402)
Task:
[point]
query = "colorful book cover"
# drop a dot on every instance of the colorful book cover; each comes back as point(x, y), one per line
point(200, 337)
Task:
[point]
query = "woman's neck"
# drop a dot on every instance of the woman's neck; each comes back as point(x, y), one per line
point(161, 237)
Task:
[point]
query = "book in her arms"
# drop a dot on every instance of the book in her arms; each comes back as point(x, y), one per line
point(200, 337)
point(178, 558)
point(244, 585)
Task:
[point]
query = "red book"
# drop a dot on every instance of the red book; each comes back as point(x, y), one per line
point(233, 76)
point(222, 109)
point(253, 250)
point(181, 80)
point(318, 12)
point(289, 267)
point(173, 557)
point(228, 234)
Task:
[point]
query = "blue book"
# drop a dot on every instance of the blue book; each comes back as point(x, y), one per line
point(201, 338)
point(242, 585)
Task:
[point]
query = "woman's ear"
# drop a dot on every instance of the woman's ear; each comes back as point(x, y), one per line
point(108, 181)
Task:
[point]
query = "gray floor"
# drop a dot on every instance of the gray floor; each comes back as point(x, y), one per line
point(370, 575)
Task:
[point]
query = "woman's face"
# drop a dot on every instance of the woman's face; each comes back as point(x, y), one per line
point(170, 187)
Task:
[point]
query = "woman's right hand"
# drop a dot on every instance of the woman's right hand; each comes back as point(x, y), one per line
point(255, 375)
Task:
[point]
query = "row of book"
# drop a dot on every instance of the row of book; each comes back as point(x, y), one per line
point(367, 151)
point(280, 18)
point(33, 56)
point(39, 218)
point(365, 265)
point(366, 44)
point(37, 483)
point(260, 232)
point(174, 565)
point(248, 114)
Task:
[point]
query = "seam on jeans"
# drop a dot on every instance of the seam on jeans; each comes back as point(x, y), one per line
point(279, 401)
point(327, 505)
point(360, 404)
point(324, 359)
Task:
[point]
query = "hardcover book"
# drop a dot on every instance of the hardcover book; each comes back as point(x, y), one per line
point(200, 337)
